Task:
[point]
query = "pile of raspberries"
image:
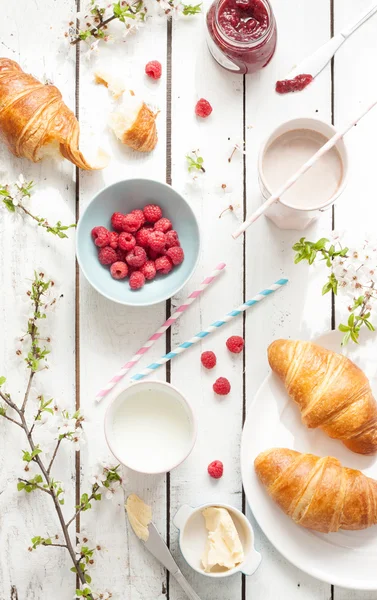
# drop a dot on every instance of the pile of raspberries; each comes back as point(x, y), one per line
point(142, 244)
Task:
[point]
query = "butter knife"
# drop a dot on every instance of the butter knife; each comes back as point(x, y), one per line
point(156, 546)
point(314, 64)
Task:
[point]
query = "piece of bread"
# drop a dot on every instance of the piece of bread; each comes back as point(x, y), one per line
point(35, 122)
point(134, 124)
point(330, 390)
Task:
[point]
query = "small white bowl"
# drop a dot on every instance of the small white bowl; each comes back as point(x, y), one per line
point(150, 427)
point(193, 536)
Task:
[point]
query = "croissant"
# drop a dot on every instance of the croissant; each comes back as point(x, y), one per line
point(318, 493)
point(330, 390)
point(134, 124)
point(33, 117)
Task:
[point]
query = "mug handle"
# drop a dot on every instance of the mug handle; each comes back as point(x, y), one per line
point(182, 515)
point(252, 563)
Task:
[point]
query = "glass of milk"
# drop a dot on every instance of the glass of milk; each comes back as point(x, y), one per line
point(283, 153)
point(150, 427)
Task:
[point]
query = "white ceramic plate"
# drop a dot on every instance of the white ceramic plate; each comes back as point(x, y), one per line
point(346, 558)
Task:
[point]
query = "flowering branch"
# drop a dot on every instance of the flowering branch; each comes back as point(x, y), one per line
point(70, 429)
point(354, 272)
point(13, 196)
point(195, 162)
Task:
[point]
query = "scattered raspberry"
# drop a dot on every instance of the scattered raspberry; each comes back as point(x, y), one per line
point(221, 386)
point(131, 223)
point(140, 215)
point(114, 239)
point(101, 236)
point(157, 240)
point(235, 344)
point(208, 359)
point(117, 221)
point(152, 213)
point(203, 108)
point(176, 255)
point(137, 257)
point(107, 256)
point(216, 469)
point(163, 265)
point(163, 225)
point(171, 239)
point(142, 236)
point(153, 69)
point(119, 270)
point(126, 241)
point(149, 270)
point(137, 280)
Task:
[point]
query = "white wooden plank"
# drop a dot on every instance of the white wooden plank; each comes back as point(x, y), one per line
point(113, 332)
point(23, 247)
point(298, 310)
point(354, 88)
point(196, 75)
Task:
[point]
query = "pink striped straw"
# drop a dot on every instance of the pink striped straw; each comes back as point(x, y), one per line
point(156, 336)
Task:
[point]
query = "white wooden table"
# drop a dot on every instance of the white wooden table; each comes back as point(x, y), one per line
point(92, 337)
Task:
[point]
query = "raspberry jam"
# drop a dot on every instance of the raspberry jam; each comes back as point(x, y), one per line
point(293, 85)
point(241, 34)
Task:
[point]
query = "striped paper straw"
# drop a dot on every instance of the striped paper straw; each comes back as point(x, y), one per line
point(202, 334)
point(156, 336)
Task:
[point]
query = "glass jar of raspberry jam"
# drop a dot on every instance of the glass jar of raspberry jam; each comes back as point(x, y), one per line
point(241, 34)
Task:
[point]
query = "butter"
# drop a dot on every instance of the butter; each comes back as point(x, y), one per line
point(139, 515)
point(223, 548)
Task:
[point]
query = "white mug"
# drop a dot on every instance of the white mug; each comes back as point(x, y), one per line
point(281, 213)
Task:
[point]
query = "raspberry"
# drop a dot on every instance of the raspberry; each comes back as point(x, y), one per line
point(203, 108)
point(142, 236)
point(153, 69)
point(216, 469)
point(152, 213)
point(221, 386)
point(119, 270)
point(137, 280)
point(114, 239)
point(126, 241)
point(107, 256)
point(208, 359)
point(176, 255)
point(148, 270)
point(235, 344)
point(121, 254)
point(137, 257)
point(131, 223)
point(171, 239)
point(101, 236)
point(117, 221)
point(163, 225)
point(140, 215)
point(157, 241)
point(163, 264)
point(153, 255)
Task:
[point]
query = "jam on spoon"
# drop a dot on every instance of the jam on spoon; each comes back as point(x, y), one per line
point(300, 82)
point(242, 34)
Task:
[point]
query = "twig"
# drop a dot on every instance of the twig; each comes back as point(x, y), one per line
point(54, 456)
point(13, 420)
point(42, 222)
point(95, 29)
point(39, 487)
point(91, 497)
point(56, 545)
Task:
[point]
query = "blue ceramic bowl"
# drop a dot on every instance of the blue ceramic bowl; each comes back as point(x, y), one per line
point(125, 196)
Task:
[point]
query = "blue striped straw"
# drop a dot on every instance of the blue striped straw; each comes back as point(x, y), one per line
point(202, 334)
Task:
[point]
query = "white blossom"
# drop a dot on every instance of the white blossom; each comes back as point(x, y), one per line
point(78, 439)
point(112, 490)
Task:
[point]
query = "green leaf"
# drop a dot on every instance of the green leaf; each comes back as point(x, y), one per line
point(20, 486)
point(2, 380)
point(321, 243)
point(370, 326)
point(190, 9)
point(343, 328)
point(88, 578)
point(346, 338)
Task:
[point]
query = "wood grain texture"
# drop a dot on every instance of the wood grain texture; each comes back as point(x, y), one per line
point(113, 332)
point(23, 247)
point(355, 209)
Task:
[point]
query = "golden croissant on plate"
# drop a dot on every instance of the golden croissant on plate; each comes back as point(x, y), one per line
point(318, 493)
point(330, 390)
point(34, 121)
